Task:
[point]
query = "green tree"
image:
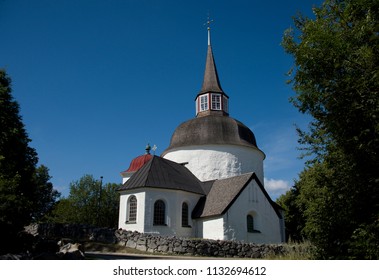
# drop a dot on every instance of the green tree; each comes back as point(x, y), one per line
point(25, 191)
point(89, 203)
point(109, 205)
point(336, 80)
point(294, 220)
point(45, 196)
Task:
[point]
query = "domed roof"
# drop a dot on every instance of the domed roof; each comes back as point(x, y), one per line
point(138, 162)
point(212, 129)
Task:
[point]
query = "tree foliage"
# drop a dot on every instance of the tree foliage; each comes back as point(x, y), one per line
point(25, 191)
point(293, 214)
point(45, 196)
point(336, 80)
point(337, 76)
point(89, 203)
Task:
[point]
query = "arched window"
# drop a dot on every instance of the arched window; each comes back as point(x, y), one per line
point(185, 215)
point(250, 223)
point(159, 213)
point(132, 209)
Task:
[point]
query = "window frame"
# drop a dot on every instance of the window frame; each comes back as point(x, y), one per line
point(159, 214)
point(225, 104)
point(185, 215)
point(216, 101)
point(250, 224)
point(203, 102)
point(132, 212)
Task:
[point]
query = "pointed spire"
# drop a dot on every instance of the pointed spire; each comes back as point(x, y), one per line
point(211, 100)
point(211, 82)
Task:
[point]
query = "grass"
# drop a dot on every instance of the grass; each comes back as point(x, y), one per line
point(111, 248)
point(293, 251)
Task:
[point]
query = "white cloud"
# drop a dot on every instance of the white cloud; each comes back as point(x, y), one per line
point(276, 187)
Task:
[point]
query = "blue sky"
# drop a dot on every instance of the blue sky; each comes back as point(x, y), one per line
point(99, 79)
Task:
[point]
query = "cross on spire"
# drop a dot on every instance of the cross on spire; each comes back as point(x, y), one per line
point(208, 23)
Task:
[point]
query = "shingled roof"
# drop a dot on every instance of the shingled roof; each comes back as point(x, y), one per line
point(162, 173)
point(210, 130)
point(221, 196)
point(224, 193)
point(211, 82)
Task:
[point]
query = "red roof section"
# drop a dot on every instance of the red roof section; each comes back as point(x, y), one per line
point(138, 162)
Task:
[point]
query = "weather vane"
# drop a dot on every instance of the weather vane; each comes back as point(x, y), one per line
point(154, 148)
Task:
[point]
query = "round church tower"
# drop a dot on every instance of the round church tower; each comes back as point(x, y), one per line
point(214, 145)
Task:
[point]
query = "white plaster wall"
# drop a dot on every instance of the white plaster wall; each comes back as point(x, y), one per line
point(210, 228)
point(139, 225)
point(173, 200)
point(209, 162)
point(253, 201)
point(126, 176)
point(124, 179)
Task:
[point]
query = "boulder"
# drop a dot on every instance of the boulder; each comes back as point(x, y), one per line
point(71, 252)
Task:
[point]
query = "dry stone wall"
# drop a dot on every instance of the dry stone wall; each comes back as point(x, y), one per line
point(77, 233)
point(158, 244)
point(195, 247)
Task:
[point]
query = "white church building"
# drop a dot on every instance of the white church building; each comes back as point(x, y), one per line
point(208, 183)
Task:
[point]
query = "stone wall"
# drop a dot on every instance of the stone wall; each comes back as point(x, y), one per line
point(157, 244)
point(77, 233)
point(195, 247)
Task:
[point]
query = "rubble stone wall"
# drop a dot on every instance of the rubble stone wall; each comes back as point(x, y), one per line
point(158, 244)
point(195, 247)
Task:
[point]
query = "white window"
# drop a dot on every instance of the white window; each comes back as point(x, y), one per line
point(216, 101)
point(225, 104)
point(203, 102)
point(132, 209)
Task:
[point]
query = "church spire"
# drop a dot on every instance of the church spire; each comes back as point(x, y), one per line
point(211, 99)
point(211, 82)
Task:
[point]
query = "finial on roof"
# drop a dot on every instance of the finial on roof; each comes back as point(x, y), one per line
point(154, 148)
point(208, 23)
point(147, 149)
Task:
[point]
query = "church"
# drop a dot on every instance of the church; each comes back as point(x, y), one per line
point(208, 183)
